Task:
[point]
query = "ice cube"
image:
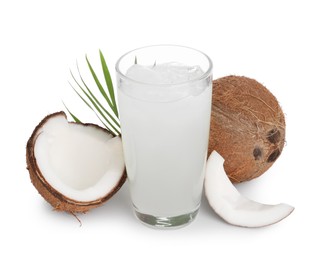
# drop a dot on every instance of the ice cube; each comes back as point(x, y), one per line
point(156, 75)
point(145, 74)
point(165, 73)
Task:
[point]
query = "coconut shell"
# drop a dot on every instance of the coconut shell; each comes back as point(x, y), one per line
point(247, 127)
point(59, 201)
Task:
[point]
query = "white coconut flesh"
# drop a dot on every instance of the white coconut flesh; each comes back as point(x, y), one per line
point(233, 207)
point(82, 162)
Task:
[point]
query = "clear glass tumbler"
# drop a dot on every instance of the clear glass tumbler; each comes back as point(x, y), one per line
point(164, 96)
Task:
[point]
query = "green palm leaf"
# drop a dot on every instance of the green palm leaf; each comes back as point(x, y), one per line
point(99, 85)
point(72, 115)
point(94, 98)
point(108, 82)
point(110, 121)
point(114, 131)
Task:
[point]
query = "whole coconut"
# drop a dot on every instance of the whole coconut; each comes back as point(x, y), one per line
point(247, 127)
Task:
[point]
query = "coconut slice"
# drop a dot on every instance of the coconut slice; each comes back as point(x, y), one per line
point(74, 166)
point(231, 206)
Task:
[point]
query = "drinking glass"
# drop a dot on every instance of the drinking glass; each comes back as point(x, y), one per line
point(164, 95)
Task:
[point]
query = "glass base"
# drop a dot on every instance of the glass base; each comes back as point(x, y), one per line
point(166, 222)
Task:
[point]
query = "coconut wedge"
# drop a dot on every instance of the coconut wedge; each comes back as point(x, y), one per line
point(231, 206)
point(74, 166)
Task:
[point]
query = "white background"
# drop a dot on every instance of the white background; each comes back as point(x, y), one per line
point(275, 42)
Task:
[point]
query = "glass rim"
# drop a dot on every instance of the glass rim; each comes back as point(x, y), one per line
point(204, 75)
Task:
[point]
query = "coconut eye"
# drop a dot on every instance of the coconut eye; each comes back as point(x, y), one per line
point(273, 136)
point(273, 156)
point(257, 153)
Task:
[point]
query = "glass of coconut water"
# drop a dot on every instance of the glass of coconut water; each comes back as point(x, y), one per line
point(164, 95)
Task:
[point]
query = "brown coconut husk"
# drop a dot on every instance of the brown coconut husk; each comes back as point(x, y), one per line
point(247, 127)
point(57, 200)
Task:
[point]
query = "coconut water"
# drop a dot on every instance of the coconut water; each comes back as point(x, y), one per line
point(165, 116)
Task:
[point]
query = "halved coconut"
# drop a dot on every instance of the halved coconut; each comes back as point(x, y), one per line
point(74, 166)
point(231, 206)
